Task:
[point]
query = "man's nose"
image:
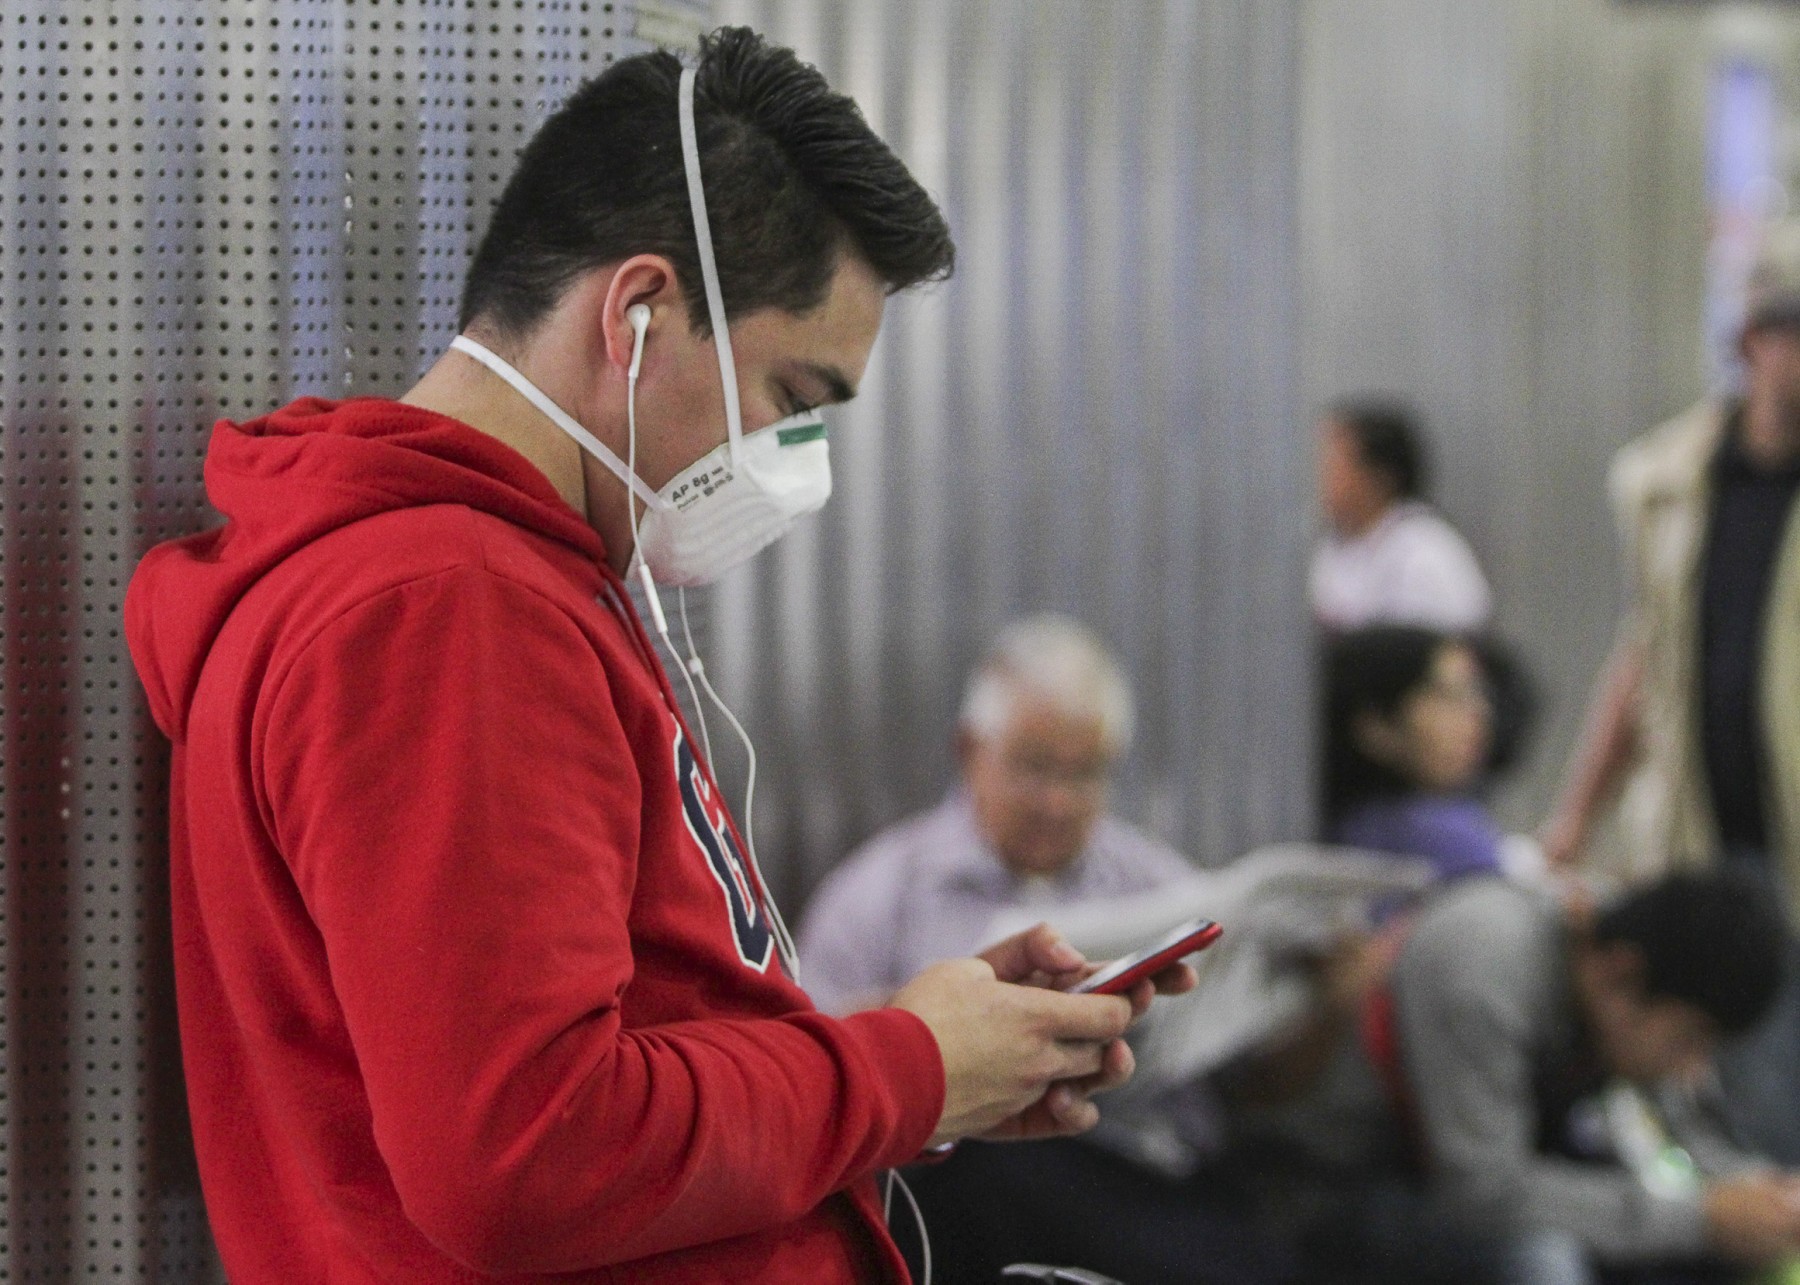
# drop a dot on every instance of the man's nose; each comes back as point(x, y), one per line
point(1063, 797)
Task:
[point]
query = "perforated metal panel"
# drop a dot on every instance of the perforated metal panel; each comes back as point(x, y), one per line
point(205, 210)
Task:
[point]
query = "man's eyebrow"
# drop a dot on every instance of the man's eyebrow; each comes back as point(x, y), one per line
point(832, 378)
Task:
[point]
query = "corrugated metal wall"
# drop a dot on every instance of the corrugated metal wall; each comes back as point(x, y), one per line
point(1098, 414)
point(1505, 217)
point(205, 209)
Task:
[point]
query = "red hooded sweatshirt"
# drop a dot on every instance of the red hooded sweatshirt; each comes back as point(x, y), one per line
point(472, 976)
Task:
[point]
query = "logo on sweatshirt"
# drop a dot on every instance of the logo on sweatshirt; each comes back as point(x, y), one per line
point(705, 816)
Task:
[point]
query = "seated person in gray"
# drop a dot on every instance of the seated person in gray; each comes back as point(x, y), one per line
point(1045, 718)
point(1548, 1068)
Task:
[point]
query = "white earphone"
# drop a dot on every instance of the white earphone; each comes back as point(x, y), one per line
point(638, 314)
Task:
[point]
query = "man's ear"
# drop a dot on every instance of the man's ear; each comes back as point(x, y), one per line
point(646, 280)
point(967, 743)
point(1382, 483)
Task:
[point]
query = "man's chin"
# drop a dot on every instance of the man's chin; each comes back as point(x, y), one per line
point(1042, 864)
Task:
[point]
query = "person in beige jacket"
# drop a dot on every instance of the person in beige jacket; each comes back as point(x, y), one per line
point(1694, 730)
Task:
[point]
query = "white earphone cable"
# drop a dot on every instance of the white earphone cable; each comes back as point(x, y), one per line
point(887, 1216)
point(693, 666)
point(784, 940)
point(652, 599)
point(692, 669)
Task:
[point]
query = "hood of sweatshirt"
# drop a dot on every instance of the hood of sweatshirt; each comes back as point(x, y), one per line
point(289, 478)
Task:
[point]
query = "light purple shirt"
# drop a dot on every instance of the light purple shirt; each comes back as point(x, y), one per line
point(925, 888)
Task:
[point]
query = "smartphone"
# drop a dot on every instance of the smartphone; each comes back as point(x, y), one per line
point(1123, 974)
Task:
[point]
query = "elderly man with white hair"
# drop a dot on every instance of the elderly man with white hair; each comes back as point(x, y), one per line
point(1045, 717)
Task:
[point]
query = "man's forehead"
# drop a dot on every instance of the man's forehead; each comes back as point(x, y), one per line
point(1037, 718)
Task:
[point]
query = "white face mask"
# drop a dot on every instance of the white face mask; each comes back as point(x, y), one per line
point(738, 498)
point(715, 513)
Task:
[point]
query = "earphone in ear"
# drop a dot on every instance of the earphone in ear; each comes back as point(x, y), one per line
point(638, 314)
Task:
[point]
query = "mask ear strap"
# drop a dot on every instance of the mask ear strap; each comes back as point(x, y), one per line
point(709, 268)
point(558, 416)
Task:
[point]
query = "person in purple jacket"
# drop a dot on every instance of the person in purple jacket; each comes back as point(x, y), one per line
point(1408, 732)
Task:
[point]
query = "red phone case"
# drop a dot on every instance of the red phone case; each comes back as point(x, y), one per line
point(1133, 968)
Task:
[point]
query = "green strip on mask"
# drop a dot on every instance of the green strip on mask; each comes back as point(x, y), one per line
point(799, 434)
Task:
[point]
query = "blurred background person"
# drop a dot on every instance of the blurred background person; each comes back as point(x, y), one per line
point(1508, 1032)
point(1388, 556)
point(1408, 730)
point(1045, 719)
point(1695, 723)
point(1523, 1098)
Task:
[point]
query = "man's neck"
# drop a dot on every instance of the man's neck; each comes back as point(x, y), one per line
point(460, 387)
point(1769, 433)
point(1355, 526)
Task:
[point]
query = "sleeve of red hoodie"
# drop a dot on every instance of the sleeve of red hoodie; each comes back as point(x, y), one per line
point(455, 794)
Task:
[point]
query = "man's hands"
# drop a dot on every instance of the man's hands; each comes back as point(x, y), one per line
point(1755, 1219)
point(1040, 957)
point(1020, 1057)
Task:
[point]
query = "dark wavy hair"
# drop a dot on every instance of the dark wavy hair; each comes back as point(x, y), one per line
point(794, 178)
point(1716, 941)
point(1389, 441)
point(1373, 670)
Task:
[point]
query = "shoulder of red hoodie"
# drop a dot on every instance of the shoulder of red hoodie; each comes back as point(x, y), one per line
point(472, 970)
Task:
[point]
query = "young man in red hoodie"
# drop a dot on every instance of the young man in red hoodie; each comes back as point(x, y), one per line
point(474, 975)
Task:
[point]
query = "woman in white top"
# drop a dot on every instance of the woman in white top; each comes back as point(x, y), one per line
point(1388, 556)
